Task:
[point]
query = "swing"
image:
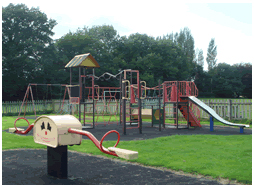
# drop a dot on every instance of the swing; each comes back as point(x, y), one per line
point(61, 106)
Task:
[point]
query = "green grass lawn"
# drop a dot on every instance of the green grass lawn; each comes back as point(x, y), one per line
point(213, 155)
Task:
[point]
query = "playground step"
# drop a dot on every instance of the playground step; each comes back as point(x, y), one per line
point(124, 153)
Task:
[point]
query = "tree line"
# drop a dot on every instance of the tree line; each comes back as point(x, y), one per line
point(30, 55)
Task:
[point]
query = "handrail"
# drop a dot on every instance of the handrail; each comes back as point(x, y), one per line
point(129, 89)
point(27, 130)
point(95, 141)
point(145, 89)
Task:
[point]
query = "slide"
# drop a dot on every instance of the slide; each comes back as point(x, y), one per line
point(213, 113)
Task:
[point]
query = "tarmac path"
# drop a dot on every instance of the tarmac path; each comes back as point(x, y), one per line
point(29, 166)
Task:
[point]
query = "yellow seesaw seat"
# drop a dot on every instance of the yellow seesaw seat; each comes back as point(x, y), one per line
point(124, 153)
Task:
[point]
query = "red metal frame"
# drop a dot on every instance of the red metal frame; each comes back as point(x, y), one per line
point(27, 130)
point(95, 141)
point(99, 92)
point(176, 91)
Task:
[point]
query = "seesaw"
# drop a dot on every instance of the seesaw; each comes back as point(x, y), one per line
point(56, 132)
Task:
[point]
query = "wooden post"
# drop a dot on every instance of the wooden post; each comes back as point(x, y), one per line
point(230, 109)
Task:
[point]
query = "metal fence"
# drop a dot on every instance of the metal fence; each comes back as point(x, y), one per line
point(226, 108)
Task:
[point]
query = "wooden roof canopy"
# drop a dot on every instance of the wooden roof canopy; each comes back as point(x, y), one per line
point(84, 60)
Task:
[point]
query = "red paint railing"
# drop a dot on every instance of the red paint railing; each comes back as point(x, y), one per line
point(27, 130)
point(95, 141)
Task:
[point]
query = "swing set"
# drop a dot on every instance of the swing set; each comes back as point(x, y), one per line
point(42, 106)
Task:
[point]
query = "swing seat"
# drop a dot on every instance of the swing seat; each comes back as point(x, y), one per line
point(145, 113)
point(124, 153)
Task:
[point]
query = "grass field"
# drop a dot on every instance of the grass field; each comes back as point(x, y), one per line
point(213, 155)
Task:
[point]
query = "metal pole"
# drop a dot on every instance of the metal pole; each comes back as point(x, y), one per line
point(130, 104)
point(27, 92)
point(93, 96)
point(177, 104)
point(120, 117)
point(159, 106)
point(83, 85)
point(80, 94)
point(34, 84)
point(70, 87)
point(211, 123)
point(164, 104)
point(152, 116)
point(33, 101)
point(124, 108)
point(139, 108)
point(188, 115)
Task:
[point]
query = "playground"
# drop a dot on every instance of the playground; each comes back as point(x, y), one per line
point(175, 111)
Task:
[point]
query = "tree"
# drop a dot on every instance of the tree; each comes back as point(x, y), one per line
point(186, 41)
point(245, 71)
point(200, 59)
point(226, 81)
point(203, 82)
point(26, 33)
point(211, 54)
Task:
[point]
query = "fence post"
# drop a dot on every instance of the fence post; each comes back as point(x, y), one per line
point(230, 109)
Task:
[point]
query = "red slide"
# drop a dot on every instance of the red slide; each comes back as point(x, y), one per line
point(192, 118)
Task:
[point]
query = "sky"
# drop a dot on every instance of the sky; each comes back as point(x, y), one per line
point(229, 23)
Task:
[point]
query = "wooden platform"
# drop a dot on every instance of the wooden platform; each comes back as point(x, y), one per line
point(145, 113)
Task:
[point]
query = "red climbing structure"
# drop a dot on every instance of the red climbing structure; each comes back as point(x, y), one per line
point(176, 93)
